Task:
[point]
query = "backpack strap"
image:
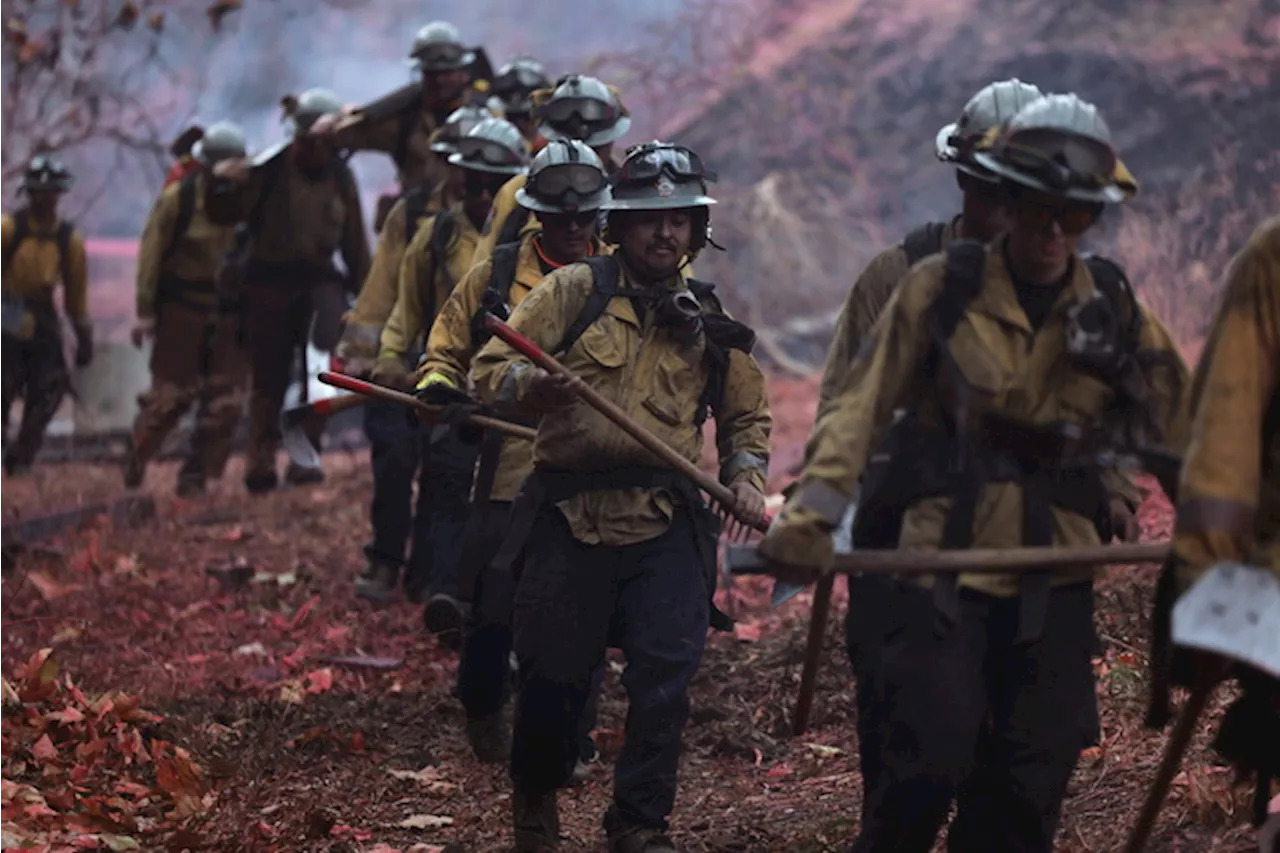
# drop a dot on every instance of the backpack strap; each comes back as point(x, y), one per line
point(722, 334)
point(1112, 282)
point(404, 132)
point(21, 231)
point(923, 241)
point(513, 225)
point(442, 230)
point(604, 274)
point(496, 298)
point(966, 260)
point(186, 212)
point(415, 207)
point(63, 242)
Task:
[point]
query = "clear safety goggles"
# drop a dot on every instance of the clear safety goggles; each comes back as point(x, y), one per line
point(588, 110)
point(555, 182)
point(646, 163)
point(1059, 160)
point(487, 152)
point(441, 56)
point(514, 78)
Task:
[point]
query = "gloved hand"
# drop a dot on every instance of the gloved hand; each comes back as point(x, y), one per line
point(438, 391)
point(799, 544)
point(84, 345)
point(390, 371)
point(456, 407)
point(143, 330)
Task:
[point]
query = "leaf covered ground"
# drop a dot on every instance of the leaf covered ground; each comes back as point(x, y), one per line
point(207, 682)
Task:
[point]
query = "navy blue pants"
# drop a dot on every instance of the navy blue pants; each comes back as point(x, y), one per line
point(575, 600)
point(484, 672)
point(395, 452)
point(448, 466)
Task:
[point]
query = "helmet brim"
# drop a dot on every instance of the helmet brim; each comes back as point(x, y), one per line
point(1107, 195)
point(455, 159)
point(595, 201)
point(942, 146)
point(467, 59)
point(656, 203)
point(601, 137)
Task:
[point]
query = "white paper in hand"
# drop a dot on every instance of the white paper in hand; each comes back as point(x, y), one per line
point(1233, 611)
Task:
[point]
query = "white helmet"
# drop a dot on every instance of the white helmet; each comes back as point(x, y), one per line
point(223, 140)
point(990, 107)
point(495, 145)
point(566, 176)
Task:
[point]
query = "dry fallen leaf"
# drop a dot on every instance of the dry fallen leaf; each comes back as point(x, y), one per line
point(44, 750)
point(425, 821)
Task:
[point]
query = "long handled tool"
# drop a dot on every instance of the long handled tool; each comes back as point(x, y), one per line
point(429, 412)
point(719, 493)
point(294, 421)
point(745, 559)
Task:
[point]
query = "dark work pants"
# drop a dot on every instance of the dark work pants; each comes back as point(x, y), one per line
point(484, 672)
point(969, 715)
point(444, 504)
point(572, 602)
point(35, 370)
point(395, 447)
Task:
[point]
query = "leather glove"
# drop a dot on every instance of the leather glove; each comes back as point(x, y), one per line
point(456, 407)
point(391, 372)
point(84, 345)
point(799, 545)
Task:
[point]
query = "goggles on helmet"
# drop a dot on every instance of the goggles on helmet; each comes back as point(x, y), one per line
point(479, 151)
point(556, 182)
point(441, 55)
point(645, 164)
point(1059, 160)
point(516, 78)
point(585, 110)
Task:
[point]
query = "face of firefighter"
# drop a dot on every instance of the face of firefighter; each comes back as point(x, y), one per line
point(478, 190)
point(985, 209)
point(313, 152)
point(525, 124)
point(654, 241)
point(566, 237)
point(442, 88)
point(1045, 231)
point(44, 203)
point(221, 201)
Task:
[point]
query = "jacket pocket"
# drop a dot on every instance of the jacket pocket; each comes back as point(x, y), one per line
point(676, 387)
point(981, 368)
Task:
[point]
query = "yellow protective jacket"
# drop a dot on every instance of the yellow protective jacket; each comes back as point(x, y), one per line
point(421, 294)
point(180, 266)
point(34, 269)
point(406, 136)
point(363, 330)
point(451, 347)
point(1017, 374)
point(862, 306)
point(1229, 491)
point(304, 220)
point(644, 370)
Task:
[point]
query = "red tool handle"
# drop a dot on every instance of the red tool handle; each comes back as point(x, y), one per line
point(720, 493)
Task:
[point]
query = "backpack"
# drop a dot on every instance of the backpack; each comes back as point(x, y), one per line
point(22, 232)
point(722, 333)
point(923, 241)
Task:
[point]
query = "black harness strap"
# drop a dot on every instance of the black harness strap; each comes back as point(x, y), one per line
point(496, 298)
point(186, 212)
point(919, 243)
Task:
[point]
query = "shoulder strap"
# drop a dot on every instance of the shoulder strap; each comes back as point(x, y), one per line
point(442, 229)
point(63, 240)
point(274, 171)
point(503, 272)
point(404, 132)
point(966, 260)
point(21, 231)
point(415, 207)
point(513, 225)
point(604, 274)
point(186, 212)
point(921, 242)
point(1113, 283)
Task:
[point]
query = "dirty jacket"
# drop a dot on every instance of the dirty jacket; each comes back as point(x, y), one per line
point(1023, 376)
point(304, 220)
point(452, 345)
point(642, 369)
point(405, 136)
point(363, 331)
point(35, 269)
point(1229, 491)
point(862, 306)
point(421, 294)
point(183, 270)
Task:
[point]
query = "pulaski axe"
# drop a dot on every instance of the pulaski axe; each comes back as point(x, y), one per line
point(295, 421)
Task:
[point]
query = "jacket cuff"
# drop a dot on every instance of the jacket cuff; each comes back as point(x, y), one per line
point(822, 499)
point(744, 464)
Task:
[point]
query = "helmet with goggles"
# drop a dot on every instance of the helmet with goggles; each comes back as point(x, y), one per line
point(1059, 145)
point(583, 108)
point(459, 123)
point(660, 176)
point(516, 81)
point(990, 107)
point(46, 173)
point(565, 177)
point(495, 146)
point(438, 47)
point(223, 140)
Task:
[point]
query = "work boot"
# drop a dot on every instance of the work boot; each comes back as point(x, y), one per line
point(416, 587)
point(640, 839)
point(261, 482)
point(536, 821)
point(378, 583)
point(297, 475)
point(444, 617)
point(16, 466)
point(490, 738)
point(134, 469)
point(585, 767)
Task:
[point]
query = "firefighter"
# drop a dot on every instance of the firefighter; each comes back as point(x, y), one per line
point(447, 69)
point(566, 188)
point(435, 261)
point(618, 549)
point(514, 86)
point(40, 250)
point(300, 205)
point(579, 107)
point(998, 355)
point(982, 217)
point(198, 354)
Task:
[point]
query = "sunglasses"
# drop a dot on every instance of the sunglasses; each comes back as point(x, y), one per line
point(1073, 217)
point(477, 183)
point(581, 217)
